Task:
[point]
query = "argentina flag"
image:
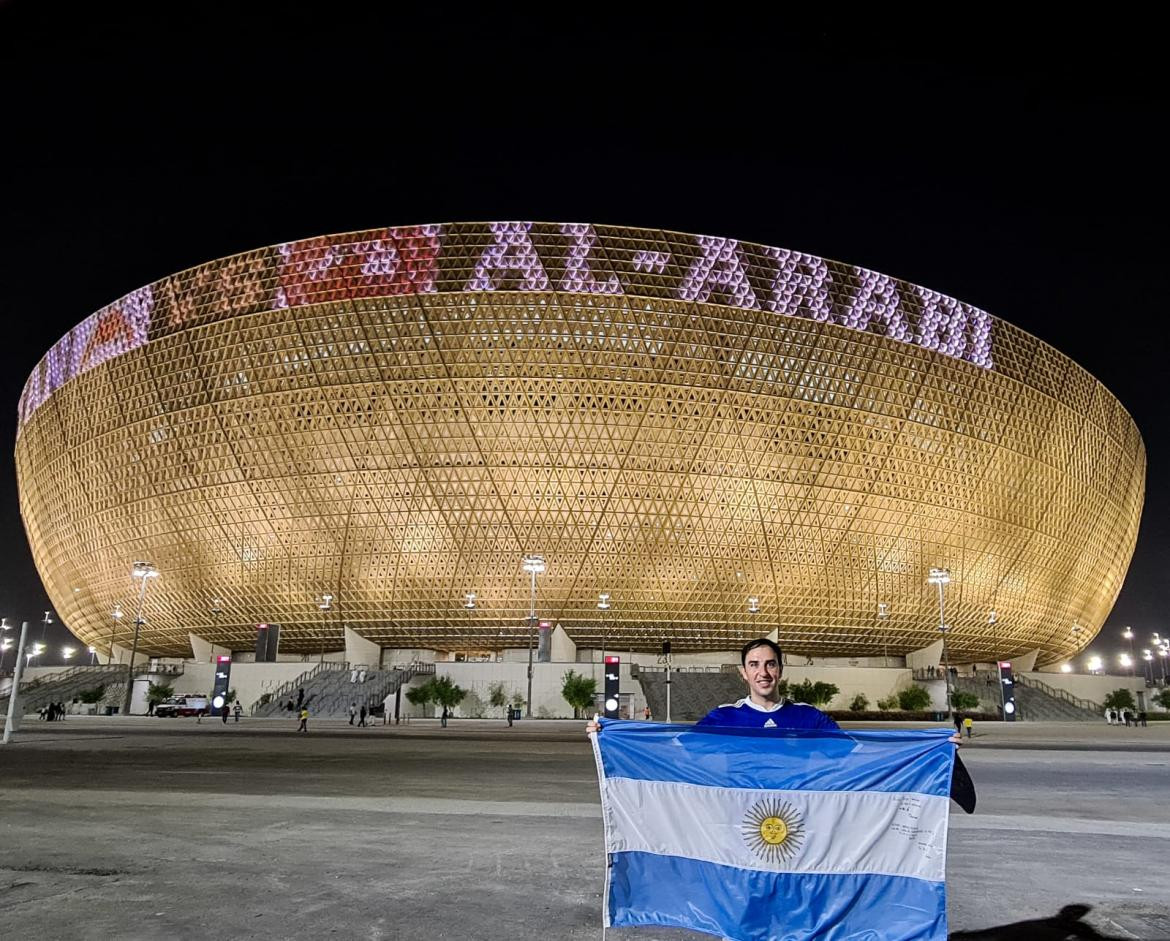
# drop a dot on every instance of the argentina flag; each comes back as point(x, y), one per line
point(753, 834)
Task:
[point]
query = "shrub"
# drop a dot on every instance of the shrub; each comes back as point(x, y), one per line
point(1163, 699)
point(860, 703)
point(1120, 699)
point(815, 694)
point(913, 699)
point(961, 699)
point(890, 702)
point(92, 695)
point(159, 692)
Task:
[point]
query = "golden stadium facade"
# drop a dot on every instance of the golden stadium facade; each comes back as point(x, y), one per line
point(684, 423)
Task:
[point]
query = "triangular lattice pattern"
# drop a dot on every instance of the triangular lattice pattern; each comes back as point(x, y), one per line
point(396, 417)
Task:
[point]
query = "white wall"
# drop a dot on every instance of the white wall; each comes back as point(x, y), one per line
point(249, 680)
point(1089, 686)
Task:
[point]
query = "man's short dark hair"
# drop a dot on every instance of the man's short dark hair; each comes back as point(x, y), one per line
point(761, 642)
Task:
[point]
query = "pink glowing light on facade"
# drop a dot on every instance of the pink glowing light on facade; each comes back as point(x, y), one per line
point(510, 255)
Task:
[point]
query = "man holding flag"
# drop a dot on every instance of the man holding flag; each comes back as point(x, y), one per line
point(766, 821)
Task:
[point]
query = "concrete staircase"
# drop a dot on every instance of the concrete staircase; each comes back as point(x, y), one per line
point(1036, 701)
point(331, 687)
point(692, 695)
point(65, 686)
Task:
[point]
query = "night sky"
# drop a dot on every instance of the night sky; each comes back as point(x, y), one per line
point(1024, 176)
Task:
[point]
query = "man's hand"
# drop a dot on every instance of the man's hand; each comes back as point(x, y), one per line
point(956, 740)
point(592, 725)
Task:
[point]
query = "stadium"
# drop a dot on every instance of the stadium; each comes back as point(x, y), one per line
point(722, 439)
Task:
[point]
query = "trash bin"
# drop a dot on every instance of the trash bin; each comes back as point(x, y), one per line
point(516, 714)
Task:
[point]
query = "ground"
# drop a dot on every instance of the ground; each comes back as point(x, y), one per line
point(164, 828)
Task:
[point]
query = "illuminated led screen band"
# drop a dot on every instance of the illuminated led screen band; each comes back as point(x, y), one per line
point(569, 258)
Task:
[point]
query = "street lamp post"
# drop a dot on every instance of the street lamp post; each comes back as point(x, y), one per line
point(533, 565)
point(92, 655)
point(45, 622)
point(5, 643)
point(602, 607)
point(144, 571)
point(469, 606)
point(883, 615)
point(68, 653)
point(1149, 672)
point(116, 614)
point(942, 578)
point(1128, 635)
point(326, 606)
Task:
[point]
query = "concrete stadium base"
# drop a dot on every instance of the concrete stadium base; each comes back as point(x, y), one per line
point(147, 829)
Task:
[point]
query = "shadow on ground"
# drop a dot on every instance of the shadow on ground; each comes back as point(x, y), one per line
point(1066, 925)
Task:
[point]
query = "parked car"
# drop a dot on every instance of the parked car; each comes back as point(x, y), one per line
point(181, 706)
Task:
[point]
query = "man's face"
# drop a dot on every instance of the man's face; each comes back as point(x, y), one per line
point(762, 672)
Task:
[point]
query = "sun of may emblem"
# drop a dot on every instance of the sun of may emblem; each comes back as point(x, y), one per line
point(773, 830)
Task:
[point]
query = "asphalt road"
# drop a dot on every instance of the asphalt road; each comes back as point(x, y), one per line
point(166, 829)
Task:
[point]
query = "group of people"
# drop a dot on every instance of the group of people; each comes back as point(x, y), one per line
point(52, 712)
point(359, 714)
point(1125, 716)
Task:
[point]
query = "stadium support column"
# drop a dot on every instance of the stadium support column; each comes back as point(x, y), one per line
point(10, 723)
point(534, 565)
point(144, 571)
point(942, 578)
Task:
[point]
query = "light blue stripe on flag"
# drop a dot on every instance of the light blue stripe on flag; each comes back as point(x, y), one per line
point(770, 834)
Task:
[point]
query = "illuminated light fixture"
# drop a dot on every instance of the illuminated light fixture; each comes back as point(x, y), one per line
point(469, 600)
point(533, 565)
point(603, 601)
point(753, 605)
point(144, 571)
point(1066, 668)
point(991, 618)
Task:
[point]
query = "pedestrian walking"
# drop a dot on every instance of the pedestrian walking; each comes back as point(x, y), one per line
point(237, 710)
point(362, 718)
point(300, 698)
point(387, 708)
point(225, 712)
point(443, 719)
point(958, 722)
point(1142, 719)
point(304, 726)
point(969, 725)
point(352, 712)
point(1108, 716)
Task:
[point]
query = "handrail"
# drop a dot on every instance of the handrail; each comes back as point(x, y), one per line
point(1064, 695)
point(285, 688)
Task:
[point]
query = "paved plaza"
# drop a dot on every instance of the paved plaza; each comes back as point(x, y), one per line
point(156, 829)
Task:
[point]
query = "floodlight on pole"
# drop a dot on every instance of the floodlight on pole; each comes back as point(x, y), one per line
point(92, 655)
point(942, 578)
point(533, 565)
point(4, 645)
point(1128, 635)
point(602, 607)
point(116, 614)
point(325, 606)
point(45, 622)
point(1149, 657)
point(145, 572)
point(883, 616)
point(67, 653)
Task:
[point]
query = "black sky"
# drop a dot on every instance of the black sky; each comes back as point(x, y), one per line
point(1021, 174)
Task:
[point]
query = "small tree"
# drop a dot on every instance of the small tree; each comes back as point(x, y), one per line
point(578, 691)
point(158, 692)
point(914, 699)
point(890, 702)
point(446, 693)
point(860, 703)
point(498, 695)
point(1162, 699)
point(421, 696)
point(961, 699)
point(91, 696)
point(230, 697)
point(1120, 699)
point(473, 705)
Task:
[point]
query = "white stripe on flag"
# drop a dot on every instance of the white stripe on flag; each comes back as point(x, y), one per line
point(780, 831)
